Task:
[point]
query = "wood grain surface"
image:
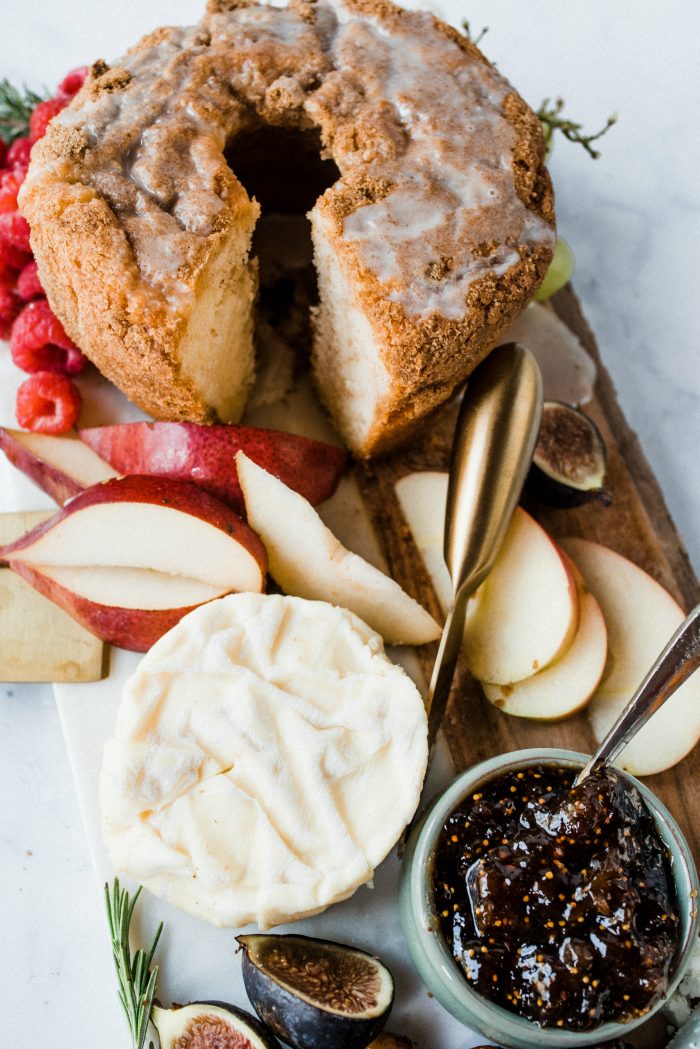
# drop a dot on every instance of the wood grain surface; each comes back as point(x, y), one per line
point(637, 524)
point(40, 642)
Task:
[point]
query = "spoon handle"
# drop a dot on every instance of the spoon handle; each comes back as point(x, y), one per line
point(678, 660)
point(491, 453)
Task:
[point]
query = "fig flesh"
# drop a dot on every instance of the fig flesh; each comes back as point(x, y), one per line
point(315, 994)
point(568, 466)
point(210, 1025)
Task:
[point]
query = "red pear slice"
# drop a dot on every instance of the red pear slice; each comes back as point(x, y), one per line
point(130, 557)
point(61, 466)
point(205, 455)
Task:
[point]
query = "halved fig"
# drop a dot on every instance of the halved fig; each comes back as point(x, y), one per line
point(568, 467)
point(210, 1025)
point(316, 994)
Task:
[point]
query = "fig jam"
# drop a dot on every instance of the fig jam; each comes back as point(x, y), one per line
point(558, 903)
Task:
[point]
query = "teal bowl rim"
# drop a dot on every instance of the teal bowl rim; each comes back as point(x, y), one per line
point(431, 954)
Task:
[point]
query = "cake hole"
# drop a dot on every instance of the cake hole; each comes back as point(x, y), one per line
point(284, 171)
point(282, 168)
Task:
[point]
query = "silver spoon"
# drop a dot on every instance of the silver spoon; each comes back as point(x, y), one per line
point(679, 659)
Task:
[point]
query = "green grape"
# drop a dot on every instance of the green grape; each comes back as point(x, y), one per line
point(560, 271)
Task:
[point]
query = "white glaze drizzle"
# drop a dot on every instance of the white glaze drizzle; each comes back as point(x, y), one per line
point(454, 180)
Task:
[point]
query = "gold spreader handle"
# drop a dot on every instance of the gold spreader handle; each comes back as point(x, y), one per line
point(492, 450)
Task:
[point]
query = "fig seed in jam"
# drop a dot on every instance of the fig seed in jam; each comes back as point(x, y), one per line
point(558, 903)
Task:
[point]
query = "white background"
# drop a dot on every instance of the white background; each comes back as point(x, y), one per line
point(632, 219)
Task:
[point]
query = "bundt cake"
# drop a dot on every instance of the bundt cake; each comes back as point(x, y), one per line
point(432, 228)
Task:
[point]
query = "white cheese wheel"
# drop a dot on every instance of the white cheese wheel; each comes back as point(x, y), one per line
point(266, 757)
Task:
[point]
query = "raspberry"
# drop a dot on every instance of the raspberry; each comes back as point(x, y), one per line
point(47, 403)
point(39, 343)
point(42, 113)
point(28, 283)
point(10, 181)
point(7, 277)
point(18, 153)
point(9, 308)
point(13, 257)
point(14, 230)
point(73, 81)
point(3, 151)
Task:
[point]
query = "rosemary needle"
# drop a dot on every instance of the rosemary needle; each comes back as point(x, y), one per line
point(137, 980)
point(15, 110)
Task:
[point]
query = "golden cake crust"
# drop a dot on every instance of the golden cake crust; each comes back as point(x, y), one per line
point(129, 195)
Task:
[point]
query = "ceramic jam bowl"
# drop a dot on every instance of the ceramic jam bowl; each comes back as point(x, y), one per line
point(432, 955)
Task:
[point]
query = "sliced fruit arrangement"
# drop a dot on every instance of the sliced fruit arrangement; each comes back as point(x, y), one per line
point(316, 994)
point(622, 619)
point(307, 560)
point(205, 455)
point(130, 576)
point(526, 613)
point(214, 1024)
point(202, 455)
point(640, 617)
point(568, 466)
point(128, 558)
point(61, 466)
point(566, 686)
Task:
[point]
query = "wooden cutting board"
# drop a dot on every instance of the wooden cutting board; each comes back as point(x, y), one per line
point(637, 524)
point(40, 642)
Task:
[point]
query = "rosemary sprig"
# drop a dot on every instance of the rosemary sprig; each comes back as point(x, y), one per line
point(15, 110)
point(137, 981)
point(552, 119)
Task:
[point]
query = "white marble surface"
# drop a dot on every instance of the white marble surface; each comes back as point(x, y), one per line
point(632, 219)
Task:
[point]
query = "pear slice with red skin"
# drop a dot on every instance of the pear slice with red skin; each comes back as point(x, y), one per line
point(61, 466)
point(205, 455)
point(177, 545)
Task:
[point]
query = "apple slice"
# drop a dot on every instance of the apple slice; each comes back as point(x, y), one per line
point(60, 466)
point(205, 455)
point(619, 585)
point(525, 614)
point(563, 688)
point(307, 560)
point(128, 558)
point(640, 616)
point(422, 497)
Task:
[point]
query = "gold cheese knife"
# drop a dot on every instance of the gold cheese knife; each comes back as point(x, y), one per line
point(494, 440)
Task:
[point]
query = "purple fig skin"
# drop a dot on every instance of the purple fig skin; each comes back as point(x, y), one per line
point(297, 1022)
point(251, 1022)
point(205, 456)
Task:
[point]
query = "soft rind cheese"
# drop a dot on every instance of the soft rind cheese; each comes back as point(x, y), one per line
point(267, 755)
